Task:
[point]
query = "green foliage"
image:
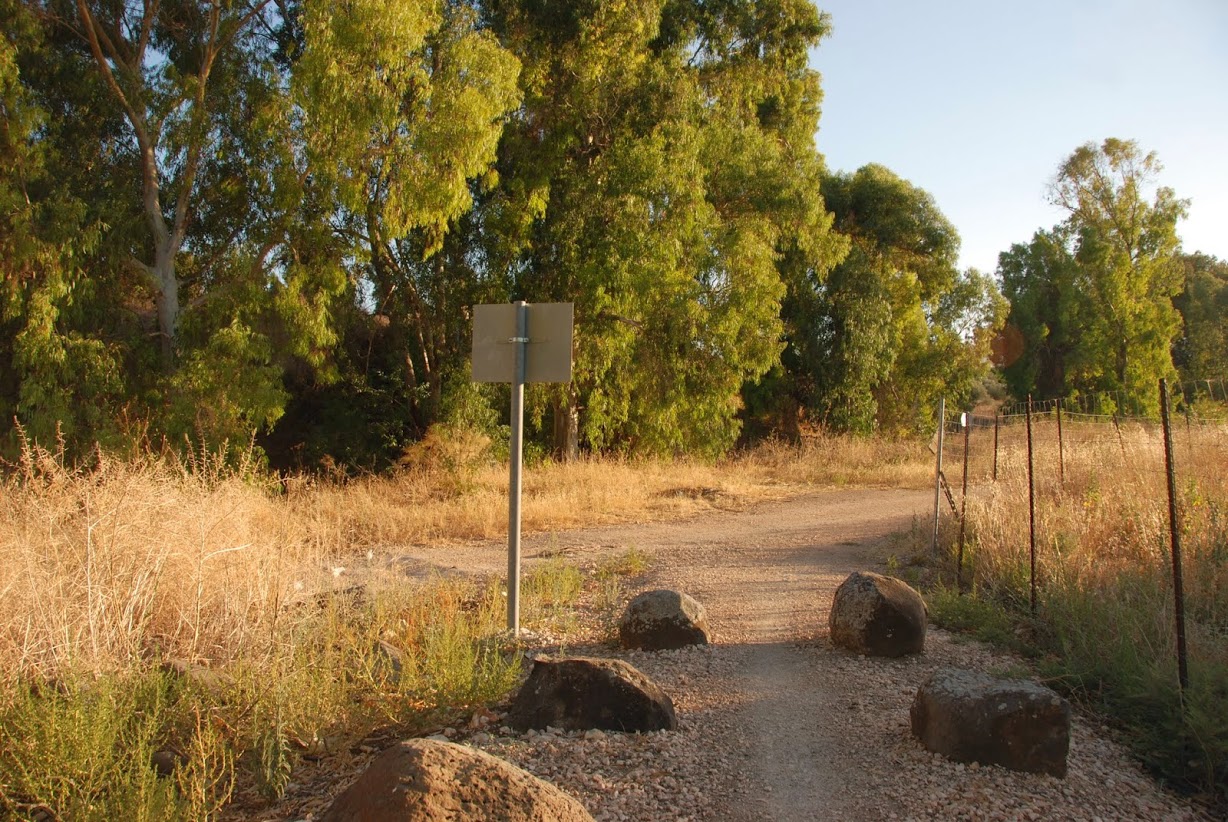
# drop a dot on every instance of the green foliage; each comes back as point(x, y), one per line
point(56, 374)
point(1091, 301)
point(227, 389)
point(973, 613)
point(399, 125)
point(1202, 349)
point(275, 217)
point(1113, 651)
point(83, 746)
point(85, 752)
point(181, 254)
point(894, 326)
point(655, 185)
point(274, 764)
point(554, 584)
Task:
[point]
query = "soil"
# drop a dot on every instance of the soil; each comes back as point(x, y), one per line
point(775, 723)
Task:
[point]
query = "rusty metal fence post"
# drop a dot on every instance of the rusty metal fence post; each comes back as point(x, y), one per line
point(1061, 445)
point(1183, 675)
point(995, 446)
point(963, 508)
point(1031, 509)
point(942, 411)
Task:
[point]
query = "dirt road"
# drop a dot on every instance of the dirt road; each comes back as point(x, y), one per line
point(775, 723)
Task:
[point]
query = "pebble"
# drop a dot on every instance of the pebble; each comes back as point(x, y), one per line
point(702, 770)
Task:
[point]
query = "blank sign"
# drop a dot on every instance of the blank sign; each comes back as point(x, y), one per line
point(547, 352)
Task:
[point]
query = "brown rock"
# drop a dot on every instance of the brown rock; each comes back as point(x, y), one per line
point(582, 693)
point(878, 616)
point(423, 780)
point(662, 620)
point(973, 717)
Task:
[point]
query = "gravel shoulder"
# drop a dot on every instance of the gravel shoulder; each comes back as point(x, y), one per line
point(774, 722)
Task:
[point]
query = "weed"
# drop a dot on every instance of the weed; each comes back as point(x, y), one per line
point(83, 749)
point(273, 759)
point(972, 614)
point(552, 585)
point(632, 562)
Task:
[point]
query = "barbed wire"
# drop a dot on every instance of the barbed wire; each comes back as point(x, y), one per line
point(1120, 406)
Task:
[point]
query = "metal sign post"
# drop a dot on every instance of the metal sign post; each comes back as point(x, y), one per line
point(519, 343)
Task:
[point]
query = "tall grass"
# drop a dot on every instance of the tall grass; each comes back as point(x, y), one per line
point(467, 499)
point(1105, 628)
point(185, 611)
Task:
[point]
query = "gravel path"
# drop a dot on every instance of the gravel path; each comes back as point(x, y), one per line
point(775, 724)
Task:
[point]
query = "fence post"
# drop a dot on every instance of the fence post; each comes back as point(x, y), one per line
point(995, 446)
point(1031, 509)
point(963, 510)
point(942, 416)
point(1061, 447)
point(1121, 440)
point(1183, 674)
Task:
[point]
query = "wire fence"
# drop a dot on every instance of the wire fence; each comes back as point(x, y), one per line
point(1054, 444)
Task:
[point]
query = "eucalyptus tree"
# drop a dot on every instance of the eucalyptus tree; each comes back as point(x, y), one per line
point(242, 170)
point(1127, 249)
point(659, 170)
point(1093, 299)
point(1042, 337)
point(1201, 352)
point(56, 372)
point(896, 325)
point(403, 106)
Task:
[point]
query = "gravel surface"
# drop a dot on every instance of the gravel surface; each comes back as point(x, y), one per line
point(775, 723)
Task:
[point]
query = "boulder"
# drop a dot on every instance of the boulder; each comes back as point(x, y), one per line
point(878, 616)
point(423, 780)
point(973, 717)
point(662, 620)
point(582, 693)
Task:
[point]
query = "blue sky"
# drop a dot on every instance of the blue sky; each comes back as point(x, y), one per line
point(978, 103)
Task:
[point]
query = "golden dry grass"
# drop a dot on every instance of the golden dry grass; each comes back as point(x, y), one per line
point(1109, 516)
point(123, 561)
point(1106, 621)
point(416, 507)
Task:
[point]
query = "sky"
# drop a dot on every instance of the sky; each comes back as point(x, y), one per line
point(979, 101)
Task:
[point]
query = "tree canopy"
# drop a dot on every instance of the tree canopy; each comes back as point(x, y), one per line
point(273, 216)
point(896, 325)
point(1092, 300)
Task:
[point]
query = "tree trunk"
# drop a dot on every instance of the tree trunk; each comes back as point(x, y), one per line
point(167, 300)
point(566, 425)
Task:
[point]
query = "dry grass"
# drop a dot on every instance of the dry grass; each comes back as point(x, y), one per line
point(111, 570)
point(107, 565)
point(1104, 577)
point(1109, 516)
point(471, 503)
point(103, 566)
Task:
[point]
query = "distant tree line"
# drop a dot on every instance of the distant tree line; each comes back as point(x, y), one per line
point(1106, 301)
point(271, 216)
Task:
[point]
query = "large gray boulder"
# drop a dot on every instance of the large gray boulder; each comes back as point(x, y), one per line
point(583, 693)
point(973, 717)
point(423, 780)
point(663, 620)
point(878, 616)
